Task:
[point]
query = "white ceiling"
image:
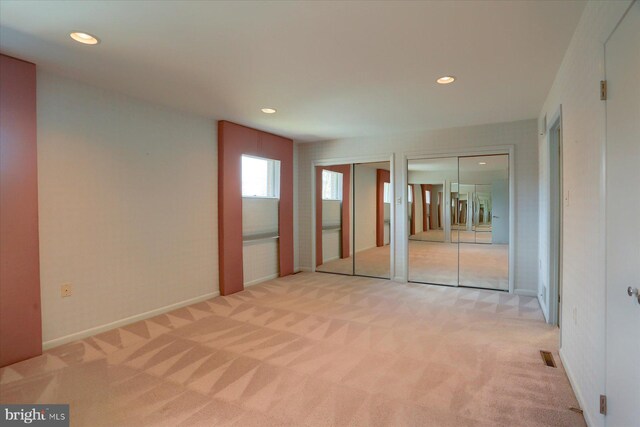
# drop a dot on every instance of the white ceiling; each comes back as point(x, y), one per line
point(332, 69)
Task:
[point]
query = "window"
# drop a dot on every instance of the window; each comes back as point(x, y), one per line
point(260, 177)
point(387, 192)
point(331, 185)
point(410, 194)
point(427, 197)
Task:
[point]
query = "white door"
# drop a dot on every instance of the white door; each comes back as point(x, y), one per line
point(622, 64)
point(500, 212)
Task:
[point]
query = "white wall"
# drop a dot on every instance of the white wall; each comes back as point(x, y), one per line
point(521, 134)
point(331, 238)
point(128, 206)
point(260, 260)
point(576, 88)
point(331, 245)
point(365, 207)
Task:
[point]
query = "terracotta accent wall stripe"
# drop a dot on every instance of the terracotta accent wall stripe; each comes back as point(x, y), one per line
point(382, 176)
point(345, 210)
point(318, 196)
point(233, 141)
point(20, 316)
point(413, 210)
point(425, 213)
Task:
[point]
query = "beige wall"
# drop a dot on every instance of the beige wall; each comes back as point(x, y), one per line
point(576, 88)
point(128, 207)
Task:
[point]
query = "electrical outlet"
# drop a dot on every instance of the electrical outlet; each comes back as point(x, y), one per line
point(66, 290)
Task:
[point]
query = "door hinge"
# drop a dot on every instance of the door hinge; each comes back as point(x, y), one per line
point(603, 404)
point(603, 90)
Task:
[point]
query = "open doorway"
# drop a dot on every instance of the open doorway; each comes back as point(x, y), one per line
point(555, 220)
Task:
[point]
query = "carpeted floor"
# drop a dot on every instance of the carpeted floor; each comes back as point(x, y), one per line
point(314, 350)
point(452, 264)
point(372, 262)
point(481, 236)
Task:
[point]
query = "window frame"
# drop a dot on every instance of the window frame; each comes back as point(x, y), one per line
point(334, 185)
point(272, 178)
point(386, 191)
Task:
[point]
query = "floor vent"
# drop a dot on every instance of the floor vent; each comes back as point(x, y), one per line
point(547, 357)
point(576, 410)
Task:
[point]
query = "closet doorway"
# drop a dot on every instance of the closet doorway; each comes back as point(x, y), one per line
point(459, 221)
point(353, 219)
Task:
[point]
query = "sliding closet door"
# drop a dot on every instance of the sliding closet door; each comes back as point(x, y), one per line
point(372, 219)
point(484, 238)
point(437, 211)
point(334, 219)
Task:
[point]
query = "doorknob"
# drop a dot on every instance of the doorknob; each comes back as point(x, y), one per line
point(496, 216)
point(633, 291)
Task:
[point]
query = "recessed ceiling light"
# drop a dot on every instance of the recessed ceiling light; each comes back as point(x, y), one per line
point(445, 80)
point(482, 163)
point(84, 38)
point(268, 110)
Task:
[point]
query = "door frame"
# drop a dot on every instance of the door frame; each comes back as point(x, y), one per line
point(555, 218)
point(438, 154)
point(353, 160)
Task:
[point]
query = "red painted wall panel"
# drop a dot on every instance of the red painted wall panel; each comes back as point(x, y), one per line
point(20, 317)
point(382, 176)
point(413, 211)
point(233, 141)
point(425, 209)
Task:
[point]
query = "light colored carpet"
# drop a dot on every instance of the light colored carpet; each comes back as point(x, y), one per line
point(483, 235)
point(479, 266)
point(373, 262)
point(313, 350)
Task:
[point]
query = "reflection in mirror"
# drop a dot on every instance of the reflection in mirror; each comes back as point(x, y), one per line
point(434, 220)
point(333, 219)
point(484, 240)
point(372, 219)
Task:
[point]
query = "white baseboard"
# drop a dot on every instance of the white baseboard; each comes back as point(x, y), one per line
point(305, 269)
point(126, 321)
point(526, 292)
point(261, 279)
point(400, 279)
point(543, 307)
point(567, 369)
point(331, 259)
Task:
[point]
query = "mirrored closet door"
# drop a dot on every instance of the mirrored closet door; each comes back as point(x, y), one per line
point(484, 244)
point(459, 221)
point(372, 219)
point(433, 201)
point(334, 216)
point(353, 219)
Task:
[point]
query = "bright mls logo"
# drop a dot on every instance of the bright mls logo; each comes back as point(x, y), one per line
point(36, 415)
